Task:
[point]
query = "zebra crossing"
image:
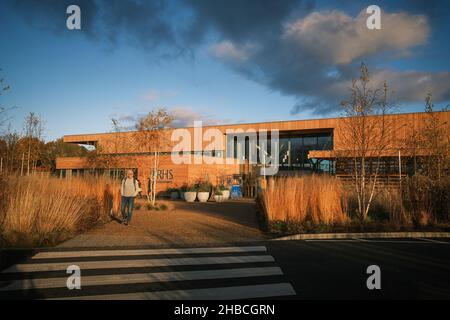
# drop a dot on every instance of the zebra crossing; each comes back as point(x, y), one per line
point(222, 273)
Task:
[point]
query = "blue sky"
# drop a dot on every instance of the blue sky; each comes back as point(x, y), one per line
point(217, 61)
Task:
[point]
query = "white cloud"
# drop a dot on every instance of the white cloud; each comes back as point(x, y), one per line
point(156, 95)
point(406, 86)
point(314, 58)
point(227, 50)
point(337, 38)
point(185, 116)
point(414, 85)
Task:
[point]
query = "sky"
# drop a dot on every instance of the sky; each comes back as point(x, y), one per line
point(218, 61)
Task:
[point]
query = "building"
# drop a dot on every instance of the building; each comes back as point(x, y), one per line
point(320, 145)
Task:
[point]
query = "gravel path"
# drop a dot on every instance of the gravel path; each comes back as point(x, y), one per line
point(186, 224)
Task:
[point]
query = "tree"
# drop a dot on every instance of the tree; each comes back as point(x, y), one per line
point(151, 136)
point(118, 141)
point(366, 136)
point(9, 142)
point(58, 148)
point(34, 126)
point(428, 189)
point(3, 110)
point(435, 142)
point(107, 156)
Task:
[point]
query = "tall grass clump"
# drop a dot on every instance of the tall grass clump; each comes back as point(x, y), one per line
point(318, 203)
point(305, 199)
point(387, 207)
point(47, 210)
point(427, 199)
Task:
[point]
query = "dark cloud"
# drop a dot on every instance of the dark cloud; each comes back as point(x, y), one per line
point(142, 21)
point(51, 14)
point(436, 10)
point(318, 106)
point(146, 24)
point(314, 58)
point(176, 26)
point(282, 45)
point(241, 20)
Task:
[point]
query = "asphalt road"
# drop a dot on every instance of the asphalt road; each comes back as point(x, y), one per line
point(410, 268)
point(317, 269)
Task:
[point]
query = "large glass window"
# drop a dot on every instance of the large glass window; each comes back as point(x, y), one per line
point(324, 142)
point(297, 152)
point(310, 142)
point(294, 149)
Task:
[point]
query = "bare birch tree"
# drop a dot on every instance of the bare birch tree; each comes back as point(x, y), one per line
point(3, 110)
point(34, 127)
point(366, 136)
point(151, 136)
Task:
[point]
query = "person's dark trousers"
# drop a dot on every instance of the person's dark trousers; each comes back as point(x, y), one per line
point(126, 207)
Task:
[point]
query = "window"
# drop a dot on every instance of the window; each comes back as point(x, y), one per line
point(246, 148)
point(294, 149)
point(297, 152)
point(310, 142)
point(232, 146)
point(324, 142)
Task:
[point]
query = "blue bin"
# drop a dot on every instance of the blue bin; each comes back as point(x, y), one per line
point(236, 191)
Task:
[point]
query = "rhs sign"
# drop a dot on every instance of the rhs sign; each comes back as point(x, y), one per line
point(164, 175)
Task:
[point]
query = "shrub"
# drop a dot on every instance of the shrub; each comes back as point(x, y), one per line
point(427, 200)
point(192, 188)
point(204, 187)
point(156, 207)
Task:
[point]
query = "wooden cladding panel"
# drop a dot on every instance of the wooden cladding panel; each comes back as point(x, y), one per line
point(170, 174)
point(402, 126)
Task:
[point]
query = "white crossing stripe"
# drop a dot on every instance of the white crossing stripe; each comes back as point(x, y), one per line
point(229, 286)
point(222, 293)
point(114, 253)
point(112, 264)
point(46, 283)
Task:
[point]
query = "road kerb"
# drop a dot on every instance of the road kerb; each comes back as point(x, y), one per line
point(365, 235)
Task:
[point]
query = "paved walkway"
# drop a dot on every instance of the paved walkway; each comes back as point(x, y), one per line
point(186, 224)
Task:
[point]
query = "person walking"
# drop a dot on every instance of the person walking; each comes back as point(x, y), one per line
point(129, 189)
